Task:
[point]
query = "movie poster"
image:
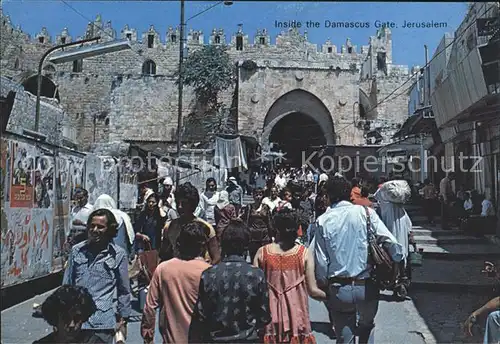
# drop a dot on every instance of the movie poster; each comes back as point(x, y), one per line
point(76, 174)
point(61, 209)
point(4, 170)
point(101, 177)
point(21, 190)
point(44, 182)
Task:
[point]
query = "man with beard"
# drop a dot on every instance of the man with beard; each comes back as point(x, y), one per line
point(102, 267)
point(187, 199)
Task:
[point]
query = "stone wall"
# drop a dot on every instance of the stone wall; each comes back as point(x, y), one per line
point(23, 112)
point(113, 98)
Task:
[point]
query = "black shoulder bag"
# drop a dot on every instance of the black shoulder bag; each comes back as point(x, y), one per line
point(384, 269)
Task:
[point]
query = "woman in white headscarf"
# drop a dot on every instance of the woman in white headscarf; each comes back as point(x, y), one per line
point(125, 236)
point(392, 196)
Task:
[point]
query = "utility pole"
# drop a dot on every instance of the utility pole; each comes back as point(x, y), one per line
point(181, 88)
point(427, 90)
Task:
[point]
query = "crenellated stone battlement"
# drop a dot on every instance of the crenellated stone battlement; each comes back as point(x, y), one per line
point(133, 94)
point(152, 39)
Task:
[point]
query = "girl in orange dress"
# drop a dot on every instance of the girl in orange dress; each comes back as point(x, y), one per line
point(290, 277)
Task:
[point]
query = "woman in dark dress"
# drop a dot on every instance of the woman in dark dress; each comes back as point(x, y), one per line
point(257, 217)
point(149, 224)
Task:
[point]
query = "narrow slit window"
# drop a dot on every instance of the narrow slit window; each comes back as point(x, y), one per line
point(239, 43)
point(77, 66)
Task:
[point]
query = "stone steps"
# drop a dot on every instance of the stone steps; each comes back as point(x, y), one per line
point(441, 275)
point(460, 252)
point(449, 240)
point(419, 231)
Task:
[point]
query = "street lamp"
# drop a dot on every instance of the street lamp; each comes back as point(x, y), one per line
point(72, 55)
point(181, 74)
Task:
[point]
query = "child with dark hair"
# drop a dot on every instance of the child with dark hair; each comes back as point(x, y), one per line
point(174, 287)
point(233, 303)
point(66, 310)
point(290, 276)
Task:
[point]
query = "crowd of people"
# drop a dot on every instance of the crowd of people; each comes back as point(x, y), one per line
point(226, 272)
point(470, 210)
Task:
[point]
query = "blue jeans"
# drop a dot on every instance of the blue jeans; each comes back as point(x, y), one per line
point(492, 330)
point(353, 309)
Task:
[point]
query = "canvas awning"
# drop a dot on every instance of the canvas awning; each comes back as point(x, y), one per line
point(415, 125)
point(161, 150)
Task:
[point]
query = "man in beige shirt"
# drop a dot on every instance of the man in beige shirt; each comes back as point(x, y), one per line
point(174, 288)
point(446, 197)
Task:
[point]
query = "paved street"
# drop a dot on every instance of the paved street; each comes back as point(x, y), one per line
point(396, 323)
point(445, 290)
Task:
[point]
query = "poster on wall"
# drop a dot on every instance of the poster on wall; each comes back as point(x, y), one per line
point(5, 168)
point(101, 177)
point(77, 174)
point(62, 192)
point(44, 182)
point(21, 189)
point(129, 192)
point(26, 245)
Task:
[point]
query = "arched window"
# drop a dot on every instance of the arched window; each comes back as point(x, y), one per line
point(149, 68)
point(49, 89)
point(217, 39)
point(16, 64)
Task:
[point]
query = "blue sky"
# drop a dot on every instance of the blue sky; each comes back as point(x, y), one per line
point(407, 42)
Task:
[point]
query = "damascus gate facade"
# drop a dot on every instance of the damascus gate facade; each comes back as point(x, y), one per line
point(288, 91)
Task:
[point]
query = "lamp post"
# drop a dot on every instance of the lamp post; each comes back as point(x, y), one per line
point(72, 55)
point(181, 75)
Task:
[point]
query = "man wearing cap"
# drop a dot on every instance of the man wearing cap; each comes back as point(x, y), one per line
point(167, 198)
point(235, 193)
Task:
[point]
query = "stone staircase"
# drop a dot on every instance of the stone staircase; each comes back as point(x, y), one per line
point(452, 260)
point(450, 285)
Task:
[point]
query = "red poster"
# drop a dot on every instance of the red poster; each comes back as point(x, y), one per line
point(21, 190)
point(21, 196)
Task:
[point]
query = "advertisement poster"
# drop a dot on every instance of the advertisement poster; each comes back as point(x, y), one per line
point(21, 189)
point(5, 168)
point(129, 192)
point(77, 174)
point(62, 192)
point(26, 245)
point(101, 177)
point(44, 182)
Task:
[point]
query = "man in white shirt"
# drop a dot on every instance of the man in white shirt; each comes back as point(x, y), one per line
point(79, 216)
point(341, 256)
point(487, 208)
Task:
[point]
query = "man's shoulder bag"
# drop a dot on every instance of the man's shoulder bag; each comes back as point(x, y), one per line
point(384, 269)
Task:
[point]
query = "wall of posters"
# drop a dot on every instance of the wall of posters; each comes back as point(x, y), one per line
point(36, 200)
point(21, 189)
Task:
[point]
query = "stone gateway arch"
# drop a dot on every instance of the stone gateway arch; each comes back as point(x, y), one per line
point(298, 123)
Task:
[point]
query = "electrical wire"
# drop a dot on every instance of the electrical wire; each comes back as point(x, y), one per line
point(435, 56)
point(94, 26)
